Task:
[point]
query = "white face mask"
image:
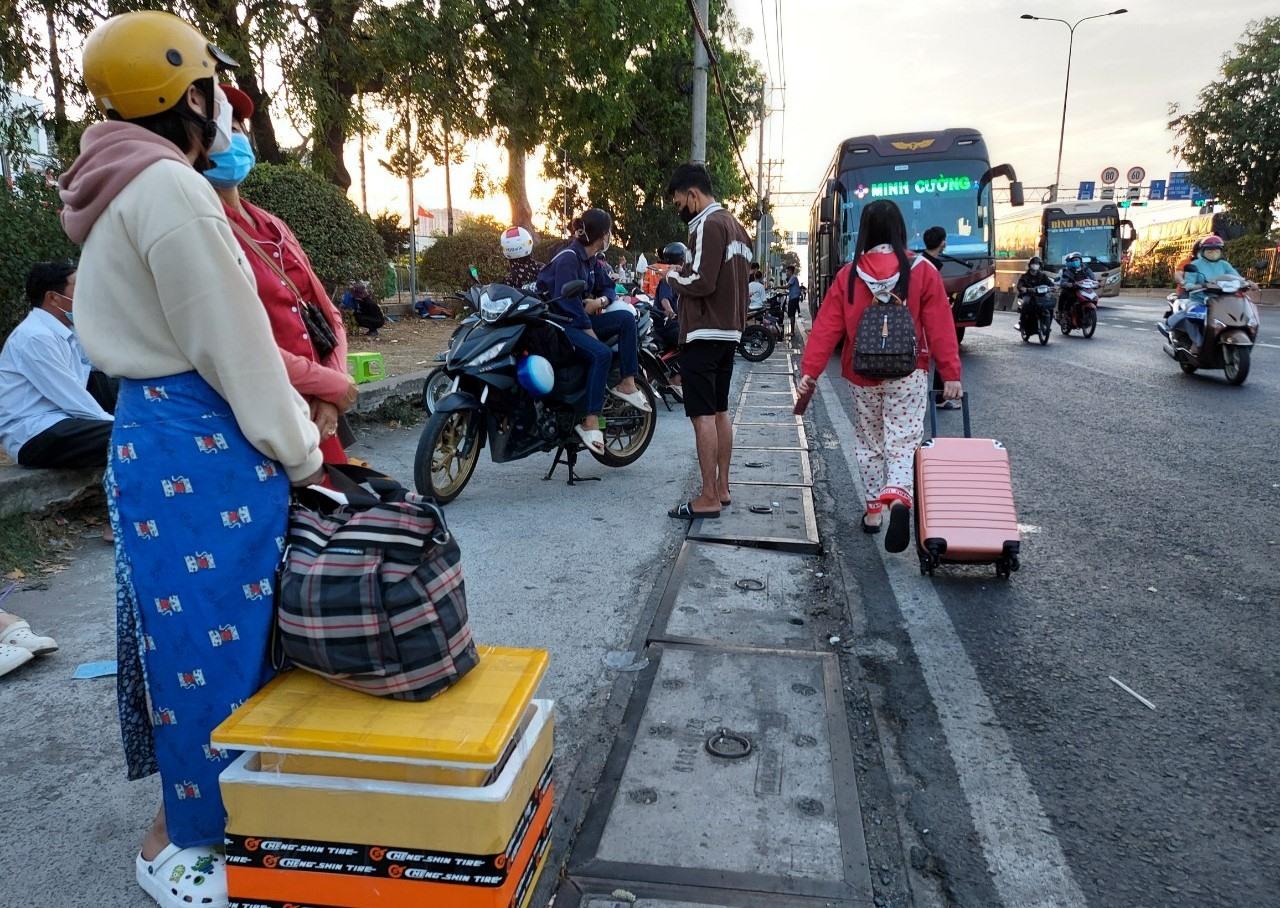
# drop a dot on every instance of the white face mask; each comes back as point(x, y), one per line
point(222, 119)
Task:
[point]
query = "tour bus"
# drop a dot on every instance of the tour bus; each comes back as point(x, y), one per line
point(941, 178)
point(1094, 229)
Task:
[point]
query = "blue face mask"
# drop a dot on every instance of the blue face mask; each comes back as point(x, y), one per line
point(230, 167)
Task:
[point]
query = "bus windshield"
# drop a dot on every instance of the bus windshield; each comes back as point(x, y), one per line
point(1097, 243)
point(930, 194)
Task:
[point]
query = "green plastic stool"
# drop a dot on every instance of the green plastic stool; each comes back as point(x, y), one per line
point(365, 367)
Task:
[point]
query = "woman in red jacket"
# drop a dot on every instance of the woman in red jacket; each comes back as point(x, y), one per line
point(890, 413)
point(314, 349)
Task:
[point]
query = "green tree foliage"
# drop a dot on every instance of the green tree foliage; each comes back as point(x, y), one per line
point(623, 142)
point(342, 243)
point(1231, 139)
point(474, 242)
point(29, 232)
point(394, 233)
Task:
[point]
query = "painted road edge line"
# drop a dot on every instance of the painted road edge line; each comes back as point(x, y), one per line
point(1026, 861)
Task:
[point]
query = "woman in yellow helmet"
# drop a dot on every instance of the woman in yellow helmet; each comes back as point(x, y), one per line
point(208, 433)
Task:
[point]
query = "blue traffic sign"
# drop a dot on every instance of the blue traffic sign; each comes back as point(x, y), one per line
point(1086, 190)
point(1179, 188)
point(1156, 192)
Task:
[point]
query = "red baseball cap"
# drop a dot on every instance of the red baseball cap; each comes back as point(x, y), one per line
point(241, 104)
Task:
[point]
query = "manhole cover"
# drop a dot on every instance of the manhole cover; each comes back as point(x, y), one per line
point(728, 745)
point(749, 585)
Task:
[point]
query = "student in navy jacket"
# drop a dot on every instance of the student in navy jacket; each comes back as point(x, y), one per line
point(591, 326)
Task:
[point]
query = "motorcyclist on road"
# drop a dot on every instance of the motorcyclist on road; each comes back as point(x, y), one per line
point(522, 267)
point(1074, 270)
point(1033, 277)
point(1209, 267)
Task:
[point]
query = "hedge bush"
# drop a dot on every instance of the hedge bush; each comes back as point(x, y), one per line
point(342, 243)
point(29, 232)
point(475, 241)
point(1249, 254)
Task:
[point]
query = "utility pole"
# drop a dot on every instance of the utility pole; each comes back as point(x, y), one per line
point(413, 211)
point(364, 192)
point(761, 249)
point(701, 63)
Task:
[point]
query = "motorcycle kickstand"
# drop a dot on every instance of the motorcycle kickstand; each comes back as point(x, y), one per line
point(570, 461)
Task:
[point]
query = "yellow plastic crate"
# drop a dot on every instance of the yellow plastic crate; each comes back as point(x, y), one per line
point(365, 367)
point(469, 726)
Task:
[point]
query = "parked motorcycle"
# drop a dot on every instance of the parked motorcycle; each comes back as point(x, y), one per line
point(762, 332)
point(1230, 324)
point(1082, 312)
point(659, 365)
point(1035, 313)
point(489, 405)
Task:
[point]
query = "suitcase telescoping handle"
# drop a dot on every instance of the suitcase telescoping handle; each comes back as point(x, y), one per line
point(933, 415)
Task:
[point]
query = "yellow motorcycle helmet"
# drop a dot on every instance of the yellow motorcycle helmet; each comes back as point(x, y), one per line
point(140, 64)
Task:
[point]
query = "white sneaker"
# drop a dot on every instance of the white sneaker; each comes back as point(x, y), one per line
point(12, 657)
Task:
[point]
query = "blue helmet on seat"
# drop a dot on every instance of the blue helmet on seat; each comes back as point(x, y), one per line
point(536, 375)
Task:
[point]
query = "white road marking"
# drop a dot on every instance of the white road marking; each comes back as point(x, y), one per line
point(1024, 857)
point(1129, 690)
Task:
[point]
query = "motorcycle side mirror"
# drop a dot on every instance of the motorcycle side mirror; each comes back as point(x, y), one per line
point(475, 273)
point(572, 289)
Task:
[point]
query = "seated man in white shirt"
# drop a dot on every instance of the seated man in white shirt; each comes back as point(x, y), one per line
point(48, 415)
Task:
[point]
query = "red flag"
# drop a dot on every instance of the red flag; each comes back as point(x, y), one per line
point(423, 213)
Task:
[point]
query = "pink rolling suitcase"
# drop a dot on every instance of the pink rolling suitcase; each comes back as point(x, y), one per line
point(964, 501)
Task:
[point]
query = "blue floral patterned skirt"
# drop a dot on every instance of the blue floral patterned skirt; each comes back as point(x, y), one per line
point(199, 518)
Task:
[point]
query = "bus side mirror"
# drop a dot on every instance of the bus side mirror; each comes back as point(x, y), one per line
point(827, 207)
point(1016, 196)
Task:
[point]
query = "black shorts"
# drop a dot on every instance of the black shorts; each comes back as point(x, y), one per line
point(706, 372)
point(793, 307)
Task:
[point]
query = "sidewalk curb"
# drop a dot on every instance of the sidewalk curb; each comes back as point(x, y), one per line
point(375, 394)
point(29, 491)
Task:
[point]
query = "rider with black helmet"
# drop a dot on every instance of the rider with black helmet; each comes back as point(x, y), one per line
point(1033, 277)
point(666, 311)
point(1074, 270)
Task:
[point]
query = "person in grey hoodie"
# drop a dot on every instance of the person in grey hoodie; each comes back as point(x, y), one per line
point(208, 432)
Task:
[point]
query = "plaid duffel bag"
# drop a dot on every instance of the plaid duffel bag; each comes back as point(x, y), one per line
point(370, 592)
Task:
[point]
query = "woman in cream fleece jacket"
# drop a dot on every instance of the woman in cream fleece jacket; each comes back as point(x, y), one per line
point(208, 432)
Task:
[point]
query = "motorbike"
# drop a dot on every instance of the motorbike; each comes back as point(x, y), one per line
point(1230, 325)
point(487, 406)
point(1083, 311)
point(1035, 313)
point(659, 365)
point(762, 332)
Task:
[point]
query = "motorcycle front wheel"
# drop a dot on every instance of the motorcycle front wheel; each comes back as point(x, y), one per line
point(1088, 322)
point(1235, 363)
point(448, 452)
point(757, 344)
point(1046, 329)
point(627, 430)
point(436, 388)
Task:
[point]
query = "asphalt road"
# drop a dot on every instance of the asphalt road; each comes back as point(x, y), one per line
point(1151, 510)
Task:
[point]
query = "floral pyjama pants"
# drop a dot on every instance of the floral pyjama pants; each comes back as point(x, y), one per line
point(889, 422)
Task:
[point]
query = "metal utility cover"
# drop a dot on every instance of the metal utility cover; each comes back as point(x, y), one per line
point(783, 819)
point(789, 523)
point(766, 415)
point(770, 383)
point(772, 468)
point(791, 436)
point(756, 397)
point(727, 594)
point(774, 365)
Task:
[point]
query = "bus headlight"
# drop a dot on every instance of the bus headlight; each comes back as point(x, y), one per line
point(979, 290)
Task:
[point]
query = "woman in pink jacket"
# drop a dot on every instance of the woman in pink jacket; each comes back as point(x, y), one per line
point(315, 348)
point(889, 413)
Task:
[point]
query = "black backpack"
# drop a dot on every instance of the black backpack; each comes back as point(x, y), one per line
point(885, 346)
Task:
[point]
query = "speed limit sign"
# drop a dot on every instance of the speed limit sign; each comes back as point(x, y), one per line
point(1136, 176)
point(1110, 175)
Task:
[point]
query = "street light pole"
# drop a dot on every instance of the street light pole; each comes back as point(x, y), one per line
point(1066, 91)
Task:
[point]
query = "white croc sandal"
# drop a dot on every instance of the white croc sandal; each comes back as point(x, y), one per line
point(636, 398)
point(183, 877)
point(12, 657)
point(20, 634)
point(592, 438)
